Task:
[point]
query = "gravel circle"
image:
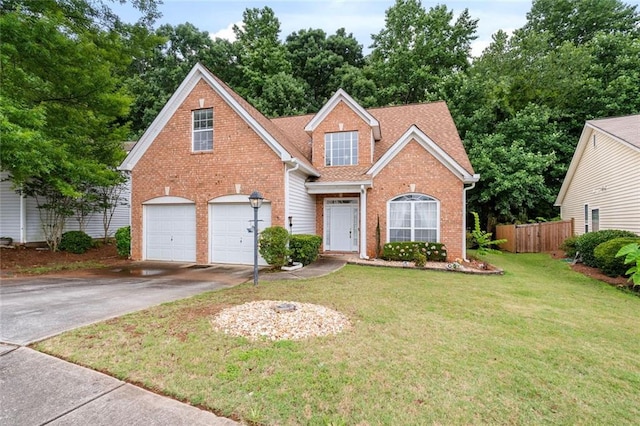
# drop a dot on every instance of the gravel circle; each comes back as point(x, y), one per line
point(259, 320)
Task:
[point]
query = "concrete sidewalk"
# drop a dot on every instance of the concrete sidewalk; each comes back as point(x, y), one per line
point(321, 267)
point(38, 389)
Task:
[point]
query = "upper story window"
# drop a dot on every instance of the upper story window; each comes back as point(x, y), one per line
point(341, 149)
point(203, 129)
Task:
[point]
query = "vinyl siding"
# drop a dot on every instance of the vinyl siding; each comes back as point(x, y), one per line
point(10, 216)
point(302, 206)
point(607, 178)
point(9, 210)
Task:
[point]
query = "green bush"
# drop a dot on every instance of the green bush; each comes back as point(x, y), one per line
point(605, 255)
point(123, 241)
point(406, 250)
point(420, 259)
point(273, 246)
point(75, 242)
point(569, 246)
point(631, 255)
point(304, 248)
point(587, 243)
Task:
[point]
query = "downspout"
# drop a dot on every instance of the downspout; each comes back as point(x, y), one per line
point(464, 218)
point(287, 213)
point(363, 223)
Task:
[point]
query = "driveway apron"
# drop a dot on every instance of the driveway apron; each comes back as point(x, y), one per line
point(37, 389)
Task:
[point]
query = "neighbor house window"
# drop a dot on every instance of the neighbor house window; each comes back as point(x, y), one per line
point(341, 149)
point(414, 217)
point(586, 218)
point(203, 129)
point(595, 220)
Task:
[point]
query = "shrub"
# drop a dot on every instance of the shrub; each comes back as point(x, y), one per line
point(420, 259)
point(406, 250)
point(483, 238)
point(75, 242)
point(123, 241)
point(569, 246)
point(304, 248)
point(587, 243)
point(273, 245)
point(605, 255)
point(631, 253)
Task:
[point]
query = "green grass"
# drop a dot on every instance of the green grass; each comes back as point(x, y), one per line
point(541, 344)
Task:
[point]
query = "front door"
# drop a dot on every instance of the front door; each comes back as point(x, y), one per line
point(341, 225)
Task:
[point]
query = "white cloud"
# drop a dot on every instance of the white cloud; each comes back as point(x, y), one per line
point(226, 33)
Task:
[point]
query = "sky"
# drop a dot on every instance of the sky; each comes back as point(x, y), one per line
point(360, 17)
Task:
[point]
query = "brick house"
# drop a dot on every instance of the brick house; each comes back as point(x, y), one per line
point(338, 173)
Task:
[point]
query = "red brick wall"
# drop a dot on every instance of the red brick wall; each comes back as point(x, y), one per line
point(331, 124)
point(415, 165)
point(239, 156)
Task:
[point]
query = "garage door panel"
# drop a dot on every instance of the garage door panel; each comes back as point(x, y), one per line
point(170, 232)
point(230, 240)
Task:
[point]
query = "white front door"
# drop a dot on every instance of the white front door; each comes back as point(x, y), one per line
point(341, 225)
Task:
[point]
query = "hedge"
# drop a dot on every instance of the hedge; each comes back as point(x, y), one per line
point(587, 243)
point(123, 241)
point(406, 251)
point(77, 242)
point(304, 248)
point(605, 255)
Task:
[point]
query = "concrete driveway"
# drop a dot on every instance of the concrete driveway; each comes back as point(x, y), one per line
point(36, 308)
point(38, 389)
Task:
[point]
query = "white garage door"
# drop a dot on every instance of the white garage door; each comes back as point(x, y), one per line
point(170, 232)
point(230, 240)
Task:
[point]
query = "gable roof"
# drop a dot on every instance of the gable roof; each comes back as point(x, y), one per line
point(265, 128)
point(342, 96)
point(625, 130)
point(414, 133)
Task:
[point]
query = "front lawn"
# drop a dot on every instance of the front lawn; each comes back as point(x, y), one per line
point(541, 344)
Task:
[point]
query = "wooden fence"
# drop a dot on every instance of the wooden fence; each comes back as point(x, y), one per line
point(534, 237)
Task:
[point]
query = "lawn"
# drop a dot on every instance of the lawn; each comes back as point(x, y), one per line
point(540, 344)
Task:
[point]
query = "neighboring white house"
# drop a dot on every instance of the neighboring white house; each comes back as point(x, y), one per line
point(602, 187)
point(20, 216)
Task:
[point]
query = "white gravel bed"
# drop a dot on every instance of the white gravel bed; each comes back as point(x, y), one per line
point(259, 320)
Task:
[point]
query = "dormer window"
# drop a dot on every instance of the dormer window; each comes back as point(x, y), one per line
point(341, 149)
point(203, 130)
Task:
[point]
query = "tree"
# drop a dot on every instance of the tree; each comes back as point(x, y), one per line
point(579, 21)
point(416, 49)
point(315, 58)
point(63, 101)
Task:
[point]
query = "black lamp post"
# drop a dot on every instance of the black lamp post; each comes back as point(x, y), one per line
point(256, 201)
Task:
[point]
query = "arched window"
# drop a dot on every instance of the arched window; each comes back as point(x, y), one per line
point(414, 217)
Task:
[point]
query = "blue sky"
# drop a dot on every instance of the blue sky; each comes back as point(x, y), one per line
point(360, 17)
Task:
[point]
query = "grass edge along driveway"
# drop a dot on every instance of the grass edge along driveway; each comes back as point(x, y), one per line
point(541, 344)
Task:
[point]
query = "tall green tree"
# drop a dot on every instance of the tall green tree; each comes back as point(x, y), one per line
point(63, 101)
point(316, 59)
point(417, 49)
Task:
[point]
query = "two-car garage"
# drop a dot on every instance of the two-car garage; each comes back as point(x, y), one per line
point(170, 230)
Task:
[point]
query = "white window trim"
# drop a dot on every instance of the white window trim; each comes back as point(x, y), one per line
point(194, 131)
point(388, 237)
point(353, 160)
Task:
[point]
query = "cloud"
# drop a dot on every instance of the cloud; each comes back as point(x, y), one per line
point(226, 33)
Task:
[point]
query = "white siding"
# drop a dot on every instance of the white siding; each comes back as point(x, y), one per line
point(10, 216)
point(302, 206)
point(607, 178)
point(9, 210)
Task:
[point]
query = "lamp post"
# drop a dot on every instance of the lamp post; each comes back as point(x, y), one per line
point(255, 199)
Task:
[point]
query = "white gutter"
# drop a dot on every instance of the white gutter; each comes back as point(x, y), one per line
point(464, 215)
